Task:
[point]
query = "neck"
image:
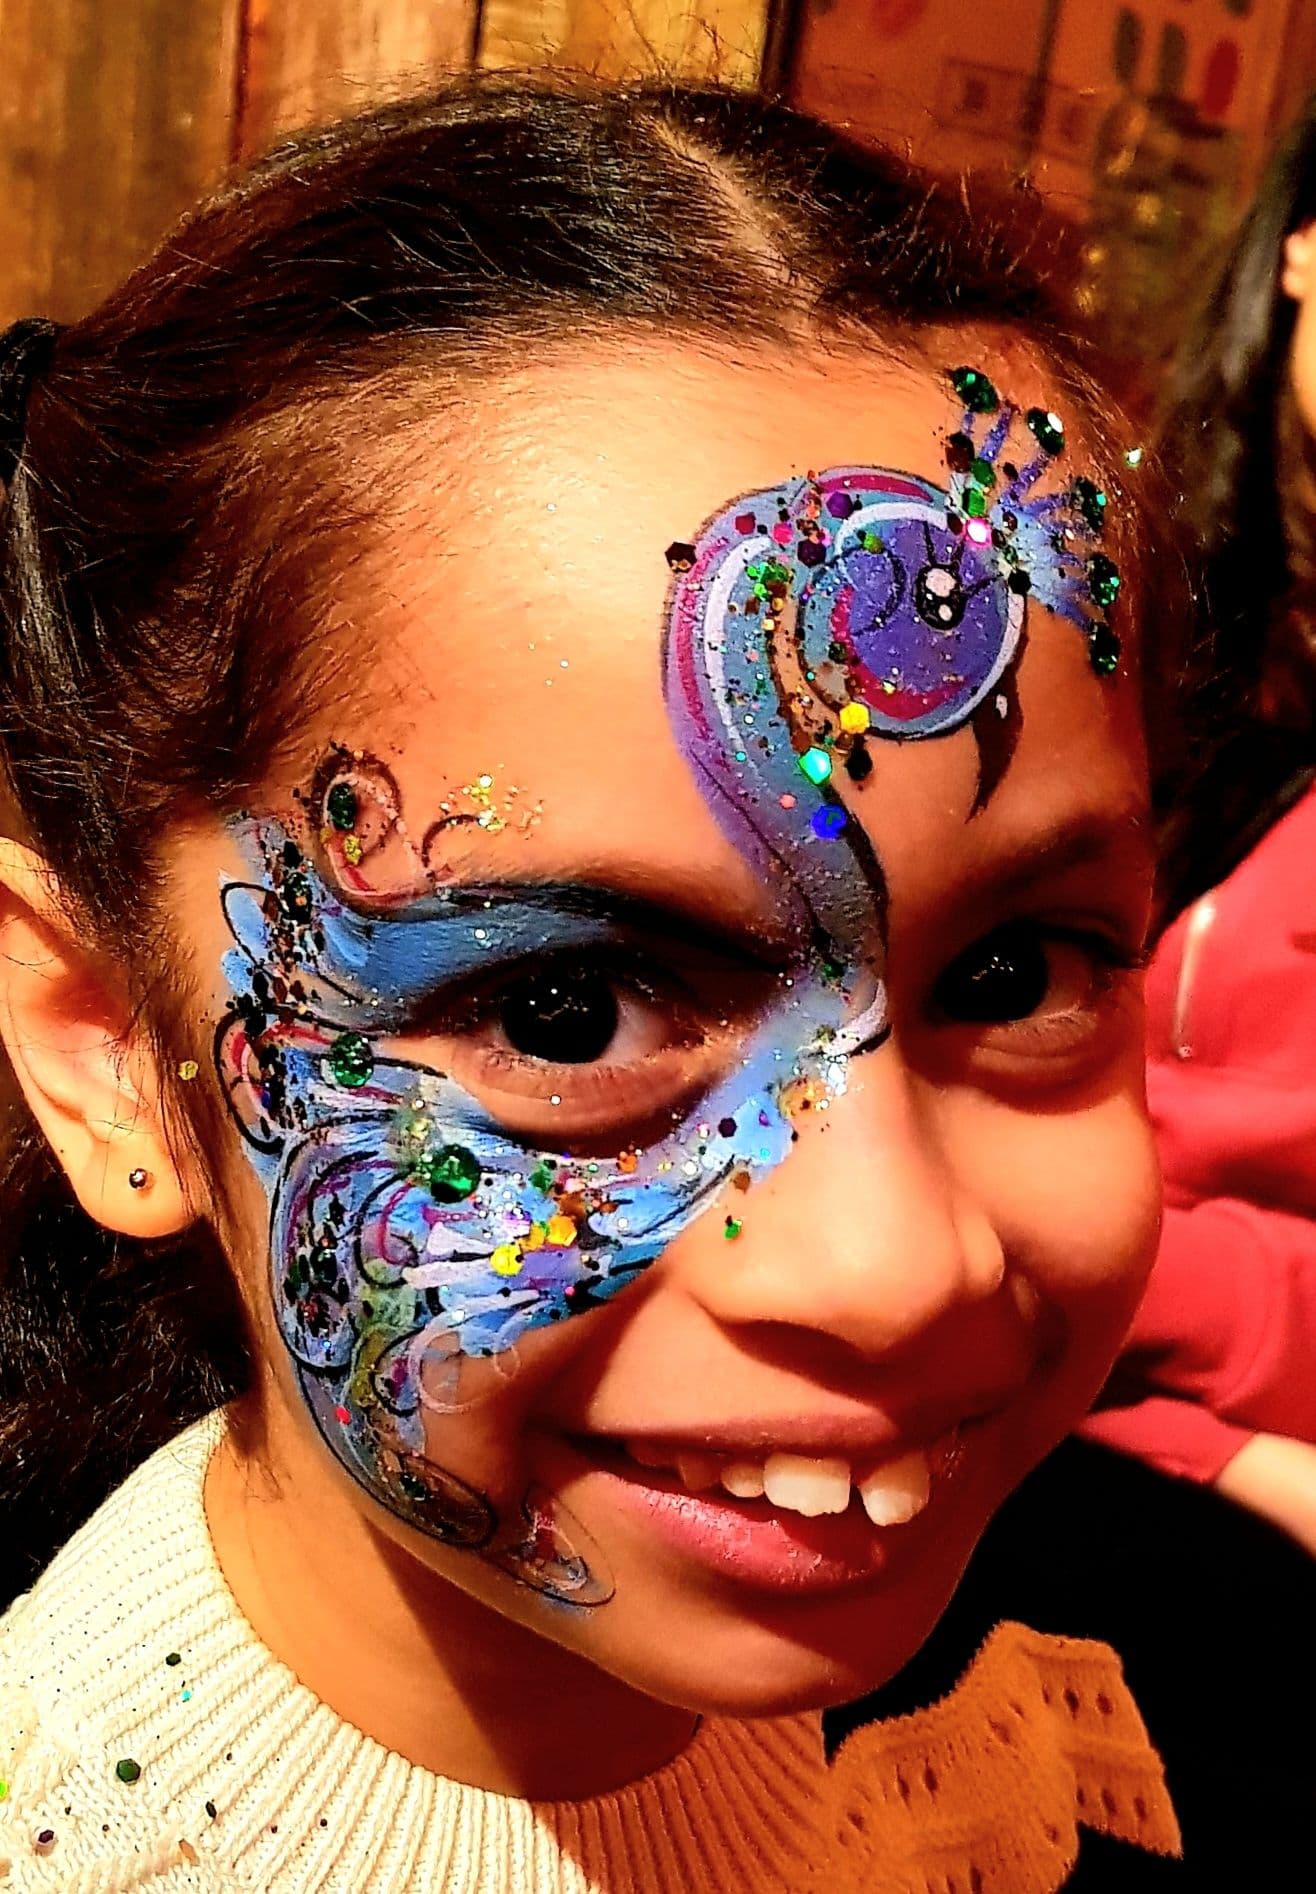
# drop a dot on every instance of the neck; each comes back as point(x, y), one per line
point(403, 1654)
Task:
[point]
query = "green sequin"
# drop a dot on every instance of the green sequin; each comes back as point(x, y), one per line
point(974, 503)
point(340, 806)
point(1103, 580)
point(816, 764)
point(127, 1770)
point(1089, 502)
point(982, 473)
point(1046, 429)
point(351, 1059)
point(974, 390)
point(541, 1178)
point(452, 1173)
point(1103, 649)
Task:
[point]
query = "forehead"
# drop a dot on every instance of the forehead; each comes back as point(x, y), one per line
point(508, 622)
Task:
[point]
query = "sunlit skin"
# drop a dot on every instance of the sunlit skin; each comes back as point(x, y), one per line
point(964, 1233)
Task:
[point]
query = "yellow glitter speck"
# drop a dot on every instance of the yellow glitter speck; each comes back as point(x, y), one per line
point(506, 1259)
point(855, 719)
point(188, 1069)
point(352, 849)
point(801, 1095)
point(561, 1232)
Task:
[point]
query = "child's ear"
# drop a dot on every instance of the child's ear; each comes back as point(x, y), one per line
point(1298, 275)
point(86, 1067)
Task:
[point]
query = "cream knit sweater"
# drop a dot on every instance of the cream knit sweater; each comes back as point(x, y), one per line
point(149, 1741)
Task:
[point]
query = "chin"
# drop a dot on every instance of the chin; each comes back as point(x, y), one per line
point(745, 1667)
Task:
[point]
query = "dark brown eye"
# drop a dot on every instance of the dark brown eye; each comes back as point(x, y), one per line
point(1003, 977)
point(561, 1015)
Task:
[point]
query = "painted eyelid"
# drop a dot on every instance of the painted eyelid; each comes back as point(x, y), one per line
point(400, 962)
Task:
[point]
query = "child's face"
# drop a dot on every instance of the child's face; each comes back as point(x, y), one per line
point(650, 1082)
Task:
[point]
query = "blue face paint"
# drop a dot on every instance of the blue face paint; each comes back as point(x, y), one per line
point(412, 1235)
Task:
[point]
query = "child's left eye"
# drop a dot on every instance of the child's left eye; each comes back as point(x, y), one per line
point(1026, 971)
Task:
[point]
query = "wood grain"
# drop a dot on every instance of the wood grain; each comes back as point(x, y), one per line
point(307, 61)
point(113, 118)
point(714, 39)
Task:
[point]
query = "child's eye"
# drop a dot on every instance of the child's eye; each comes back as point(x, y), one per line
point(569, 1017)
point(574, 1016)
point(1054, 980)
point(595, 1052)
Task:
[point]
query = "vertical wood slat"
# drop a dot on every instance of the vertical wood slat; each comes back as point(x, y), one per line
point(308, 61)
point(113, 119)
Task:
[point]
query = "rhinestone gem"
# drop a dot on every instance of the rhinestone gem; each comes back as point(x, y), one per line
point(1103, 580)
point(452, 1173)
point(974, 390)
point(1103, 650)
point(340, 806)
point(351, 1060)
point(1047, 429)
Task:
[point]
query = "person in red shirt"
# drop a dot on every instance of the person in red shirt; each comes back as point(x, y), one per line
point(1217, 1383)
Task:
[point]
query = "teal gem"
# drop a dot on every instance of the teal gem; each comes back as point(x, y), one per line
point(351, 1059)
point(816, 764)
point(1089, 502)
point(1047, 429)
point(1103, 649)
point(452, 1173)
point(1103, 580)
point(974, 390)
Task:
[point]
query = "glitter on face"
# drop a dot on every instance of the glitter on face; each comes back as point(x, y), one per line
point(414, 1236)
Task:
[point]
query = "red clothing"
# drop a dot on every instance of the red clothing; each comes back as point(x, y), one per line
point(1224, 1345)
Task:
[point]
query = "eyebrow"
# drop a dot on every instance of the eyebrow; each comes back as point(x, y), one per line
point(688, 912)
point(1085, 839)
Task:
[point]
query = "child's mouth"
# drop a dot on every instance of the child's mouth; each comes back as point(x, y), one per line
point(775, 1520)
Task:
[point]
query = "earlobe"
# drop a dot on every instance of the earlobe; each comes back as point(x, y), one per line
point(85, 1066)
point(1296, 273)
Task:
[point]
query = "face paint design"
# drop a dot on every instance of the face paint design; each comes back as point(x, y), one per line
point(416, 1239)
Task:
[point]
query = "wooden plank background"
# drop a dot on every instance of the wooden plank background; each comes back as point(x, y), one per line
point(115, 115)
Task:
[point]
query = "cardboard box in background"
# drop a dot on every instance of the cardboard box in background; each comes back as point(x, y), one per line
point(1148, 122)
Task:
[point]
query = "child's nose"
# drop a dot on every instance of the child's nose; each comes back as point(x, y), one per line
point(863, 1234)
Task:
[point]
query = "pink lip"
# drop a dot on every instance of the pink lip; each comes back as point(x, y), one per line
point(748, 1541)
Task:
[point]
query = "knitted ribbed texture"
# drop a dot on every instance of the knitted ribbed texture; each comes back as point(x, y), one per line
point(305, 1804)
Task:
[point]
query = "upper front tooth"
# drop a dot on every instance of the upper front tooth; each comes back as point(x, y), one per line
point(743, 1479)
point(895, 1492)
point(807, 1486)
point(698, 1470)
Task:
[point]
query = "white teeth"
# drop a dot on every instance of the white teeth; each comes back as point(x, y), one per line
point(807, 1486)
point(891, 1494)
point(698, 1471)
point(743, 1479)
point(897, 1491)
